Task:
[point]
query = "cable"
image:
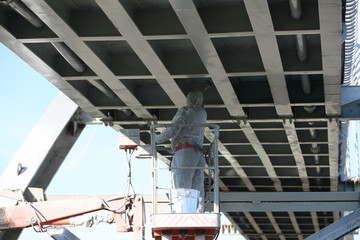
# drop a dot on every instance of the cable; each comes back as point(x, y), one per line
point(38, 221)
point(128, 188)
point(129, 185)
point(107, 207)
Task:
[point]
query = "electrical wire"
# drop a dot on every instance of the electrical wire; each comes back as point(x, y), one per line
point(37, 220)
point(129, 186)
point(107, 207)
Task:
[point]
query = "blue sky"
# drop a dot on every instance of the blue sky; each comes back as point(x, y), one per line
point(95, 163)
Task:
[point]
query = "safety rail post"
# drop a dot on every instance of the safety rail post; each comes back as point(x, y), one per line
point(216, 170)
point(154, 168)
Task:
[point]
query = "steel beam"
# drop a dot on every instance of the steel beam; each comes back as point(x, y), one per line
point(83, 51)
point(61, 234)
point(289, 206)
point(260, 151)
point(292, 136)
point(330, 37)
point(289, 196)
point(295, 225)
point(289, 201)
point(191, 20)
point(261, 22)
point(255, 226)
point(264, 201)
point(128, 29)
point(275, 225)
point(42, 153)
point(333, 138)
point(43, 148)
point(339, 228)
point(185, 36)
point(233, 162)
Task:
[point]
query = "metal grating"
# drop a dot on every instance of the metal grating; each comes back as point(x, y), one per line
point(277, 109)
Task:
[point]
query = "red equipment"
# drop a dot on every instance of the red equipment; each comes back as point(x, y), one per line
point(126, 212)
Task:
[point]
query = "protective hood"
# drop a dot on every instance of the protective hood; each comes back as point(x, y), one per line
point(194, 99)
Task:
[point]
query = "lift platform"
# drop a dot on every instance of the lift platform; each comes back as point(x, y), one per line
point(176, 224)
point(179, 225)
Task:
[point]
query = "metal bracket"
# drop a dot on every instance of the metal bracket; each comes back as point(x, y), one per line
point(107, 122)
point(241, 121)
point(287, 120)
point(80, 117)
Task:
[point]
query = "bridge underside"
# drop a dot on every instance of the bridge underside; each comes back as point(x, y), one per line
point(271, 79)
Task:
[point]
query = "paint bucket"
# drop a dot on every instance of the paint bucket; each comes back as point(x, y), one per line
point(184, 200)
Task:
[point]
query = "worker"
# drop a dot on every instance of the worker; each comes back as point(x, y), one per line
point(187, 142)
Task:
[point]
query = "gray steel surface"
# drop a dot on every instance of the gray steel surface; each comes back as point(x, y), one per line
point(278, 109)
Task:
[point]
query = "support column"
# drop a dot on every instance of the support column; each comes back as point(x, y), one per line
point(42, 153)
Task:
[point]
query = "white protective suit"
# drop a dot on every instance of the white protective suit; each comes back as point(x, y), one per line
point(192, 138)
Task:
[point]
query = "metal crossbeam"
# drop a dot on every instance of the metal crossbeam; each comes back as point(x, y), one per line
point(261, 21)
point(289, 201)
point(330, 17)
point(260, 151)
point(59, 26)
point(190, 18)
point(292, 136)
point(33, 158)
point(121, 19)
point(42, 153)
point(61, 234)
point(339, 228)
point(265, 201)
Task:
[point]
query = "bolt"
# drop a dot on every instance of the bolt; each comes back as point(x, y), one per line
point(110, 219)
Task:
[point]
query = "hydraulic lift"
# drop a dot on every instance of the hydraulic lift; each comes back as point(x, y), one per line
point(35, 164)
point(126, 212)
